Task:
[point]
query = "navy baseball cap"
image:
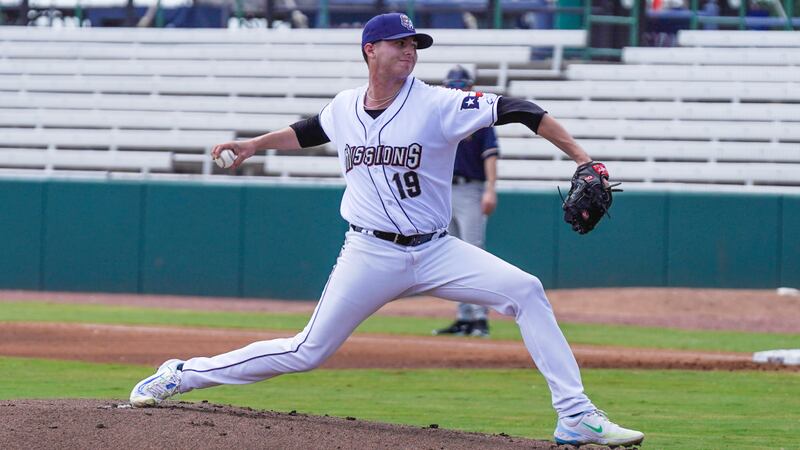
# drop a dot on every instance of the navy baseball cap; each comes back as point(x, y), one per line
point(390, 26)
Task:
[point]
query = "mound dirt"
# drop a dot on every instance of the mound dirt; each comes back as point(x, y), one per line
point(96, 424)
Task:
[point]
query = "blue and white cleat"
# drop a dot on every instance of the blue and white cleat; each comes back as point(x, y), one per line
point(156, 388)
point(594, 428)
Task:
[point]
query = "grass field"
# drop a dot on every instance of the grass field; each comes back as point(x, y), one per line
point(676, 409)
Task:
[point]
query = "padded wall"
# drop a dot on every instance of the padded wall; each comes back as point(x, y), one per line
point(191, 239)
point(281, 242)
point(91, 236)
point(21, 207)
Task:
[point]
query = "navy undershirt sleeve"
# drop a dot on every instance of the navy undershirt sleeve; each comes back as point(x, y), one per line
point(490, 145)
point(514, 110)
point(309, 132)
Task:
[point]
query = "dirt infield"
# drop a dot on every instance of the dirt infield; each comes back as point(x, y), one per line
point(97, 424)
point(142, 345)
point(743, 310)
point(701, 309)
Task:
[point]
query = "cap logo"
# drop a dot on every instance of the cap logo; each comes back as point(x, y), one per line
point(406, 22)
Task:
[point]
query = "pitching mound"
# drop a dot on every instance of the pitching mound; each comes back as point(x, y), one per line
point(97, 424)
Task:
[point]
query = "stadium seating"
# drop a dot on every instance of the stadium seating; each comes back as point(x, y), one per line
point(305, 166)
point(494, 50)
point(666, 109)
point(724, 111)
point(671, 129)
point(658, 150)
point(291, 87)
point(543, 38)
point(49, 160)
point(712, 56)
point(82, 118)
point(657, 90)
point(155, 101)
point(195, 140)
point(179, 36)
point(186, 103)
point(630, 171)
point(105, 149)
point(201, 68)
point(727, 97)
point(486, 54)
point(664, 172)
point(141, 94)
point(727, 38)
point(678, 72)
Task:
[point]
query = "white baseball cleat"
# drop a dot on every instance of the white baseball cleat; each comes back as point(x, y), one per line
point(594, 427)
point(156, 388)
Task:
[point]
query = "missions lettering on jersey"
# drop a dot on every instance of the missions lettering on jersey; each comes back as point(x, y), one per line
point(383, 155)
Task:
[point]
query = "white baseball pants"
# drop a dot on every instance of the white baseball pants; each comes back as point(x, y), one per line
point(371, 272)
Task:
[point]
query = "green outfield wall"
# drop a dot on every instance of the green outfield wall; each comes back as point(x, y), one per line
point(281, 241)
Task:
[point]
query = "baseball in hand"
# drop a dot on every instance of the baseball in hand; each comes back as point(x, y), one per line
point(226, 158)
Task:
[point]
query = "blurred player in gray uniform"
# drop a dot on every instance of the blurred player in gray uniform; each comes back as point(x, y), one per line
point(474, 198)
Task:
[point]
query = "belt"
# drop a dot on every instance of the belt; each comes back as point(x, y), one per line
point(458, 179)
point(408, 241)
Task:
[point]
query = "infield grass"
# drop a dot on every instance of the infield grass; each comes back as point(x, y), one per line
point(676, 409)
point(612, 335)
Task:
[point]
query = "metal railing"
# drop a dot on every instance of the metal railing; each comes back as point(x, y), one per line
point(742, 20)
point(694, 17)
point(631, 21)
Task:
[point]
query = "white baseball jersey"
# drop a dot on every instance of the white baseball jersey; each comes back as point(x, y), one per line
point(403, 159)
point(399, 171)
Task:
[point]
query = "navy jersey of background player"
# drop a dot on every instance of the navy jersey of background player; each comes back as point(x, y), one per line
point(471, 153)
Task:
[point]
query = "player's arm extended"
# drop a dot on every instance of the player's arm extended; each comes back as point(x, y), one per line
point(513, 110)
point(301, 134)
point(489, 198)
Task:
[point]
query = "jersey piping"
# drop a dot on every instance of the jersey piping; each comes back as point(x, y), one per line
point(386, 177)
point(377, 191)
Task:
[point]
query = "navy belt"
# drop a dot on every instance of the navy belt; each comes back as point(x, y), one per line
point(408, 241)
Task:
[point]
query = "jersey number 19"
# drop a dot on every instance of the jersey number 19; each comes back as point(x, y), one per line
point(411, 181)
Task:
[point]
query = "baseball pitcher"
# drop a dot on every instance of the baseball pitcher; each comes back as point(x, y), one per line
point(396, 139)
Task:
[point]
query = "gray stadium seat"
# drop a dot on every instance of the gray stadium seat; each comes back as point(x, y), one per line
point(657, 90)
point(712, 56)
point(738, 38)
point(676, 72)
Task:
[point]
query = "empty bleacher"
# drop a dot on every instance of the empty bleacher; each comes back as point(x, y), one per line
point(724, 111)
point(716, 112)
point(185, 103)
point(105, 149)
point(728, 38)
point(196, 68)
point(163, 97)
point(726, 56)
point(681, 72)
point(497, 53)
point(731, 91)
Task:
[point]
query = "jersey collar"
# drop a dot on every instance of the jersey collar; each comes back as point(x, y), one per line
point(390, 112)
